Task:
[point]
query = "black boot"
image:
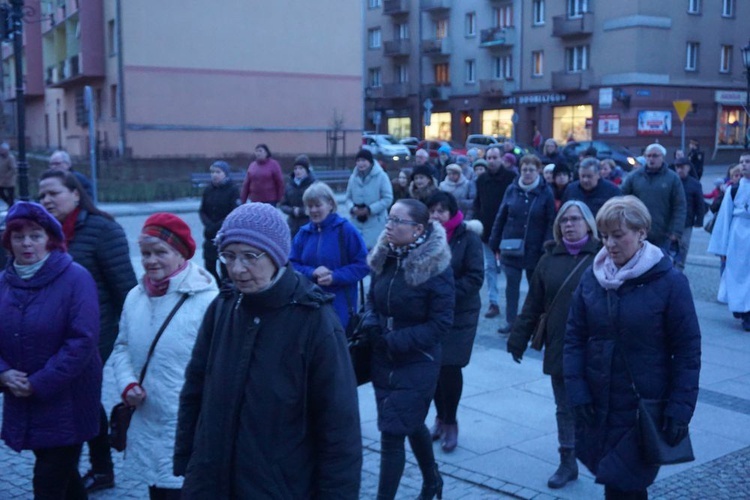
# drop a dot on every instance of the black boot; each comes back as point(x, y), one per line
point(746, 321)
point(567, 471)
point(433, 487)
point(436, 432)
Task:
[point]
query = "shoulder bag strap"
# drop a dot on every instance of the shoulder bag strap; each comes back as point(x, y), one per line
point(567, 279)
point(159, 333)
point(528, 219)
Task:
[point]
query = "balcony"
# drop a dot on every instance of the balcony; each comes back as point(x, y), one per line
point(494, 88)
point(396, 90)
point(436, 92)
point(397, 48)
point(497, 37)
point(395, 7)
point(562, 80)
point(436, 47)
point(565, 27)
point(436, 5)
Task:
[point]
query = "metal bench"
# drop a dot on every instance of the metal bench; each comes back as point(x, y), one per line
point(336, 179)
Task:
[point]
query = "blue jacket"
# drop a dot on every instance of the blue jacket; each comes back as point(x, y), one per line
point(593, 199)
point(320, 245)
point(513, 216)
point(50, 330)
point(412, 298)
point(651, 320)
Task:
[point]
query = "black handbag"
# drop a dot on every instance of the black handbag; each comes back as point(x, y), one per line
point(119, 418)
point(515, 247)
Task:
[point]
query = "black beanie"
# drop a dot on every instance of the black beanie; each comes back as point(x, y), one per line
point(366, 154)
point(303, 161)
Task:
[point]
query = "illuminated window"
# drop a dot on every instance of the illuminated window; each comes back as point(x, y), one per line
point(442, 74)
point(537, 63)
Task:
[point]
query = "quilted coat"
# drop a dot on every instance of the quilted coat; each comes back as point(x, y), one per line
point(412, 298)
point(50, 330)
point(650, 321)
point(151, 436)
point(375, 191)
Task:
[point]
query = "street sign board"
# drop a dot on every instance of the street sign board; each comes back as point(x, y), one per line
point(682, 108)
point(428, 104)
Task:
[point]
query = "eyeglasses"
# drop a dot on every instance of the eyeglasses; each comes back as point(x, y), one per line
point(397, 221)
point(573, 219)
point(245, 258)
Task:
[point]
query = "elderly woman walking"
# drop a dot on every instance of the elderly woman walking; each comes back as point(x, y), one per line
point(50, 370)
point(158, 328)
point(551, 289)
point(632, 333)
point(269, 408)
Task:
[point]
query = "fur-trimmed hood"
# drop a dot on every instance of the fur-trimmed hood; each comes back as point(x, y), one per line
point(422, 263)
point(475, 226)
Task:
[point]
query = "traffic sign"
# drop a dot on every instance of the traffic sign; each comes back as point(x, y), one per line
point(428, 104)
point(682, 108)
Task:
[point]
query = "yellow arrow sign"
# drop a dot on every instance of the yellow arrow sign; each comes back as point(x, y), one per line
point(682, 107)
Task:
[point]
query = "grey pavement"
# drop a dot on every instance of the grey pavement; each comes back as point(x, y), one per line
point(507, 441)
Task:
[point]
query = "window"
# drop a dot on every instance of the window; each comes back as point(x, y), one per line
point(113, 101)
point(99, 104)
point(373, 38)
point(442, 74)
point(694, 6)
point(373, 4)
point(727, 8)
point(471, 24)
point(111, 37)
point(538, 12)
point(471, 70)
point(373, 77)
point(402, 73)
point(537, 63)
point(502, 68)
point(691, 59)
point(502, 16)
point(402, 31)
point(576, 8)
point(441, 29)
point(725, 65)
point(577, 58)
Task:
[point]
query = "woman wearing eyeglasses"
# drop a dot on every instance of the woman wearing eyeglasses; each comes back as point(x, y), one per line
point(166, 246)
point(269, 407)
point(410, 309)
point(551, 289)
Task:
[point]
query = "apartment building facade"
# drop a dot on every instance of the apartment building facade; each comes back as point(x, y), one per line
point(574, 69)
point(174, 78)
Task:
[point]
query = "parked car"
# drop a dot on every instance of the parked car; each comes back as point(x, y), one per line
point(432, 146)
point(412, 143)
point(621, 155)
point(386, 147)
point(483, 141)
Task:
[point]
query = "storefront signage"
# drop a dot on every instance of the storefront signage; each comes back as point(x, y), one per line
point(605, 97)
point(731, 97)
point(609, 124)
point(654, 123)
point(643, 92)
point(535, 99)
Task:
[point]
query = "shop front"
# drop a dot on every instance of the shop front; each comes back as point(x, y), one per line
point(731, 119)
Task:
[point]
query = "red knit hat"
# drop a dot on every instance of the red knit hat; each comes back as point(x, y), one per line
point(172, 230)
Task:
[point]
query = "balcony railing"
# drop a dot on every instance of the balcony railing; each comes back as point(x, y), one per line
point(566, 27)
point(492, 88)
point(581, 80)
point(436, 4)
point(393, 48)
point(393, 7)
point(497, 37)
point(436, 47)
point(396, 90)
point(436, 92)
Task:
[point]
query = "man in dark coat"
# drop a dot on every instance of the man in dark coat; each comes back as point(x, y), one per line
point(491, 187)
point(590, 188)
point(696, 157)
point(219, 199)
point(696, 209)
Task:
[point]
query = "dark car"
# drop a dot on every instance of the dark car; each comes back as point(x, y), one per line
point(621, 155)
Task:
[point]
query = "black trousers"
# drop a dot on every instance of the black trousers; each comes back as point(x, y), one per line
point(393, 459)
point(156, 493)
point(56, 474)
point(448, 393)
point(613, 494)
point(100, 455)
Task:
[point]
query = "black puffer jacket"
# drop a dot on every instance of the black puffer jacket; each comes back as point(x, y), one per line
point(293, 199)
point(417, 293)
point(491, 187)
point(269, 407)
point(216, 204)
point(467, 262)
point(550, 273)
point(99, 244)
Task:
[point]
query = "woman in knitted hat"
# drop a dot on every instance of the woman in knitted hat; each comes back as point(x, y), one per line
point(269, 408)
point(158, 328)
point(423, 183)
point(368, 196)
point(219, 198)
point(462, 189)
point(292, 204)
point(50, 370)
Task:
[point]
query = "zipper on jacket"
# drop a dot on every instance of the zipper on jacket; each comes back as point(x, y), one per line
point(390, 285)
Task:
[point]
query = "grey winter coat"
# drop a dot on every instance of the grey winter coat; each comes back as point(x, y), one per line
point(464, 191)
point(375, 191)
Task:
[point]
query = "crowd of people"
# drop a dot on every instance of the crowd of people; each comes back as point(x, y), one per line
point(238, 371)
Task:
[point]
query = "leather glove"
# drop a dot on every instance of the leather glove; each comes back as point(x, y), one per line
point(674, 431)
point(586, 413)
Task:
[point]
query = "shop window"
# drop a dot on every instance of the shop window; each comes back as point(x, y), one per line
point(374, 38)
point(727, 8)
point(442, 74)
point(439, 127)
point(471, 24)
point(732, 126)
point(502, 67)
point(471, 70)
point(502, 16)
point(694, 6)
point(497, 122)
point(576, 8)
point(577, 58)
point(538, 12)
point(441, 29)
point(399, 127)
point(537, 63)
point(569, 122)
point(374, 77)
point(725, 64)
point(691, 56)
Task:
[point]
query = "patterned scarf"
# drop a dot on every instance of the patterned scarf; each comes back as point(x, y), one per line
point(403, 251)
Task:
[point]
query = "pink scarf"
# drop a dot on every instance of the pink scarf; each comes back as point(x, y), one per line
point(159, 288)
point(611, 277)
point(451, 224)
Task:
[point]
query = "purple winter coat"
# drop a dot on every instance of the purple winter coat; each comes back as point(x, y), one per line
point(50, 330)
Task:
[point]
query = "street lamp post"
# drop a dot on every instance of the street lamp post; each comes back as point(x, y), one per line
point(746, 62)
point(16, 21)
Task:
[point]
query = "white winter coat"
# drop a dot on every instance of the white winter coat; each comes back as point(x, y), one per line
point(375, 191)
point(152, 430)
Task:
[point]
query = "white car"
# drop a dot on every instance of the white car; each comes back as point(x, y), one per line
point(482, 141)
point(386, 146)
